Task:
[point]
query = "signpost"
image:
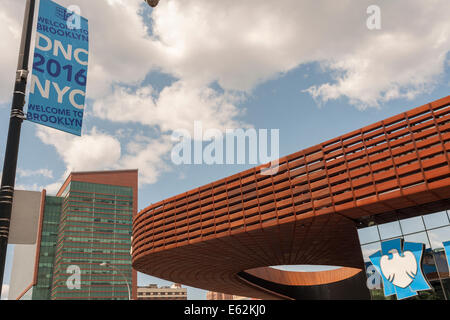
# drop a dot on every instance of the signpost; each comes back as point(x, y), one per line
point(57, 90)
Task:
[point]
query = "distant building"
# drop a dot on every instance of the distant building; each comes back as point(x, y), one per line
point(210, 295)
point(88, 223)
point(153, 292)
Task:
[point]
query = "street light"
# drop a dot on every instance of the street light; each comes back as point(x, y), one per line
point(106, 264)
point(152, 3)
point(8, 178)
point(12, 142)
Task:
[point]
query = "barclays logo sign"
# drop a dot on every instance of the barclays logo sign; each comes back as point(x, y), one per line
point(400, 267)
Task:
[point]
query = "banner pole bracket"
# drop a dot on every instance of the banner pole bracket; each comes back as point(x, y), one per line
point(17, 113)
point(21, 74)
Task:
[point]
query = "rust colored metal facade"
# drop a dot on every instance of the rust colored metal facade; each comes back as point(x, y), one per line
point(220, 235)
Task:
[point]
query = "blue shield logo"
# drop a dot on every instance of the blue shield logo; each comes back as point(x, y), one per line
point(400, 266)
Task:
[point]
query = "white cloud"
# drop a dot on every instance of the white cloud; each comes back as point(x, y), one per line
point(10, 31)
point(53, 188)
point(23, 173)
point(176, 107)
point(93, 151)
point(240, 44)
point(389, 67)
point(120, 50)
point(29, 187)
point(99, 151)
point(149, 155)
point(237, 45)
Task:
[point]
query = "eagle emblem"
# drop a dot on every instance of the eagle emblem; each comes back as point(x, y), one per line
point(399, 270)
point(399, 264)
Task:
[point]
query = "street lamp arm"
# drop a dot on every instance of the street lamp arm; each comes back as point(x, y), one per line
point(125, 279)
point(104, 264)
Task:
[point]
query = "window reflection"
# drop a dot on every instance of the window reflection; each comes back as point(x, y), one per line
point(428, 266)
point(438, 236)
point(390, 230)
point(435, 220)
point(420, 237)
point(446, 285)
point(369, 249)
point(441, 263)
point(369, 234)
point(412, 225)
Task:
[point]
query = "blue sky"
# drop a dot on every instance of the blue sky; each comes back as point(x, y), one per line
point(160, 70)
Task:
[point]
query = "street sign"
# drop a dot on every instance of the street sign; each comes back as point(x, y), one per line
point(58, 81)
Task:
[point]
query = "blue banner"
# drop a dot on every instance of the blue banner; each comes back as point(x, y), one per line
point(447, 252)
point(58, 81)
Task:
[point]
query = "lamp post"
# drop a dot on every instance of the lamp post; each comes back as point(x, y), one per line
point(106, 264)
point(12, 143)
point(15, 127)
point(152, 3)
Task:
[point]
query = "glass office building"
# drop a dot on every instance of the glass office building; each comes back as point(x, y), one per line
point(49, 237)
point(432, 230)
point(85, 239)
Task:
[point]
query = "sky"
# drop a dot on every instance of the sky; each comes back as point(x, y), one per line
point(312, 69)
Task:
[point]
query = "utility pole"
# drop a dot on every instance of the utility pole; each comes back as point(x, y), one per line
point(15, 126)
